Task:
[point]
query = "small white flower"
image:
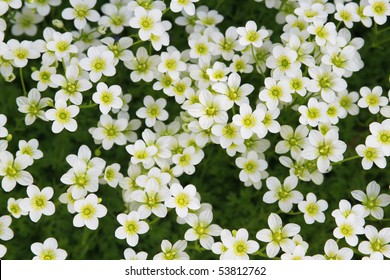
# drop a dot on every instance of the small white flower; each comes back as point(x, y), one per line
point(25, 22)
point(172, 252)
point(185, 161)
point(38, 202)
point(378, 9)
point(378, 242)
point(202, 229)
point(99, 62)
point(250, 122)
point(324, 148)
point(251, 167)
point(313, 113)
point(63, 116)
point(370, 156)
point(110, 131)
point(5, 232)
point(283, 193)
point(183, 199)
point(283, 61)
point(332, 251)
point(62, 45)
point(237, 244)
point(249, 35)
point(20, 52)
point(153, 110)
point(108, 97)
point(372, 99)
point(380, 136)
point(32, 106)
point(30, 149)
point(130, 227)
point(372, 200)
point(42, 76)
point(13, 207)
point(275, 93)
point(48, 250)
point(313, 209)
point(112, 175)
point(278, 236)
point(12, 170)
point(141, 153)
point(148, 23)
point(186, 5)
point(171, 63)
point(89, 210)
point(131, 255)
point(81, 11)
point(152, 200)
point(349, 228)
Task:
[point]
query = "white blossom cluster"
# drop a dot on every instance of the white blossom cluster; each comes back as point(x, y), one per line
point(304, 74)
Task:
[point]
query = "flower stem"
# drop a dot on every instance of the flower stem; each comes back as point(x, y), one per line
point(345, 160)
point(257, 62)
point(22, 81)
point(87, 106)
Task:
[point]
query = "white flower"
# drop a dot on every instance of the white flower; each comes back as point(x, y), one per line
point(99, 62)
point(372, 200)
point(249, 35)
point(5, 5)
point(278, 236)
point(250, 122)
point(202, 229)
point(81, 11)
point(183, 199)
point(116, 17)
point(313, 209)
point(175, 252)
point(348, 228)
point(345, 210)
point(42, 76)
point(283, 193)
point(89, 210)
point(283, 61)
point(186, 5)
point(63, 116)
point(313, 113)
point(324, 148)
point(326, 81)
point(38, 202)
point(30, 149)
point(370, 156)
point(148, 23)
point(108, 97)
point(201, 47)
point(13, 207)
point(380, 136)
point(130, 227)
point(292, 141)
point(235, 93)
point(131, 255)
point(110, 131)
point(5, 232)
point(332, 251)
point(237, 244)
point(298, 253)
point(372, 99)
point(25, 22)
point(3, 130)
point(185, 161)
point(112, 175)
point(153, 110)
point(12, 170)
point(347, 13)
point(378, 9)
point(171, 63)
point(227, 135)
point(141, 153)
point(71, 85)
point(152, 200)
point(20, 52)
point(325, 33)
point(43, 7)
point(62, 46)
point(48, 250)
point(144, 66)
point(378, 242)
point(3, 250)
point(275, 93)
point(251, 167)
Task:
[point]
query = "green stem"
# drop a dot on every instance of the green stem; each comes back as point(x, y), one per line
point(257, 62)
point(22, 81)
point(87, 106)
point(345, 160)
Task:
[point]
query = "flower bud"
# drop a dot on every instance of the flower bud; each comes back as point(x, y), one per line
point(58, 23)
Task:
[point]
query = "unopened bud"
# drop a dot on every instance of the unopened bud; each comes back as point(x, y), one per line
point(10, 78)
point(97, 152)
point(102, 30)
point(9, 137)
point(58, 23)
